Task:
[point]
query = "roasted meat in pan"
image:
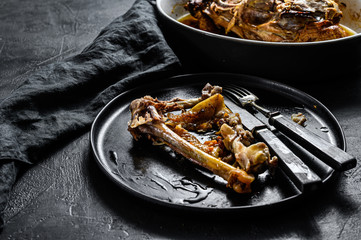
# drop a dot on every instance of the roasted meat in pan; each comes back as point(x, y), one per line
point(270, 20)
point(232, 154)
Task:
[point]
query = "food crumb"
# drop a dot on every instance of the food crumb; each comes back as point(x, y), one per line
point(299, 118)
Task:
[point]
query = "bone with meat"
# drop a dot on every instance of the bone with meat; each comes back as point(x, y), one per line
point(151, 118)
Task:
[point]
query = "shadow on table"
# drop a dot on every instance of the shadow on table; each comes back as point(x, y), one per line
point(157, 220)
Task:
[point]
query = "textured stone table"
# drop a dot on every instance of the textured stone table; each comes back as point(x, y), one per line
point(67, 196)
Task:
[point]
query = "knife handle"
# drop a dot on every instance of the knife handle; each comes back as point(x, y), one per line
point(298, 172)
point(327, 152)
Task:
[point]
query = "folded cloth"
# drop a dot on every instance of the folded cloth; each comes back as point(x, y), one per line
point(61, 100)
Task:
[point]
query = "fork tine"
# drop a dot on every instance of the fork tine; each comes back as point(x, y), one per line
point(239, 89)
point(244, 91)
point(231, 93)
point(247, 91)
point(235, 91)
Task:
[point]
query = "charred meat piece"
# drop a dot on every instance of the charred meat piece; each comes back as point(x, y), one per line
point(229, 154)
point(271, 20)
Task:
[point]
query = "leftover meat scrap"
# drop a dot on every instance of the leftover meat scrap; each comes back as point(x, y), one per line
point(299, 118)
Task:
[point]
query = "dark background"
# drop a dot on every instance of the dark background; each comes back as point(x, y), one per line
point(66, 196)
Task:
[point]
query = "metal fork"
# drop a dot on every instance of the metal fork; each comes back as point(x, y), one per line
point(327, 152)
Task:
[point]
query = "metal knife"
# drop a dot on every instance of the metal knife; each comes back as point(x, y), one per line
point(324, 150)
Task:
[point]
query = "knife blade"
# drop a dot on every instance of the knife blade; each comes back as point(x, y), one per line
point(297, 171)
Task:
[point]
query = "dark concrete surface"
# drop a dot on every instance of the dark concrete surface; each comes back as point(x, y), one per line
point(66, 196)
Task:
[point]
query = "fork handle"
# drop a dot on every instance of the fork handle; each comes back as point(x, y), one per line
point(327, 152)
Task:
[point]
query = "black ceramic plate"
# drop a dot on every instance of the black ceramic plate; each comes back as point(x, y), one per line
point(157, 174)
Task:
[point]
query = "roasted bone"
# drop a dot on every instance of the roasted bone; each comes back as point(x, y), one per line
point(148, 120)
point(155, 127)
